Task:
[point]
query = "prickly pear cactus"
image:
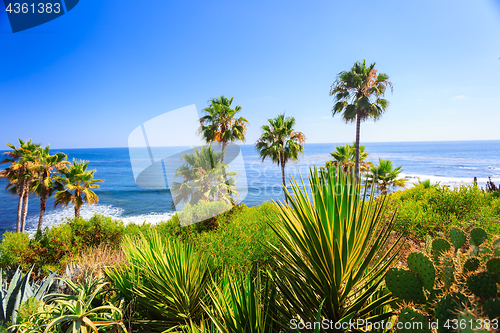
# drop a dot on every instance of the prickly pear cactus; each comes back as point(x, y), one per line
point(447, 308)
point(405, 285)
point(423, 267)
point(457, 237)
point(428, 244)
point(471, 265)
point(491, 308)
point(410, 315)
point(496, 242)
point(478, 236)
point(482, 284)
point(464, 320)
point(493, 266)
point(439, 245)
point(496, 252)
point(447, 270)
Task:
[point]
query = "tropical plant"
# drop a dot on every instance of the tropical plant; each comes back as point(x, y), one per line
point(20, 172)
point(334, 251)
point(358, 96)
point(384, 175)
point(20, 290)
point(280, 142)
point(76, 313)
point(75, 186)
point(345, 157)
point(243, 304)
point(205, 177)
point(43, 184)
point(220, 124)
point(171, 280)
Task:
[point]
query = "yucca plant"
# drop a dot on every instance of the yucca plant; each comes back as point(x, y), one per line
point(173, 280)
point(243, 304)
point(334, 250)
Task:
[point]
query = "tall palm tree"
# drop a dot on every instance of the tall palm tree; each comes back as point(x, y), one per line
point(358, 96)
point(345, 157)
point(205, 177)
point(384, 175)
point(75, 186)
point(20, 172)
point(220, 124)
point(43, 184)
point(280, 142)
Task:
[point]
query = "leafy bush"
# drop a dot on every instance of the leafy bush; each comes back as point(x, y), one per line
point(241, 241)
point(423, 210)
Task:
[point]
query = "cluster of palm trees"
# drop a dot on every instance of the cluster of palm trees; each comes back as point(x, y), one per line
point(33, 170)
point(384, 175)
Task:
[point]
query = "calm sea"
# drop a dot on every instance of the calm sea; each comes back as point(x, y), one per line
point(447, 162)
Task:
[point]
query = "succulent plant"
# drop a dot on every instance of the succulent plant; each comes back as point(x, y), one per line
point(482, 284)
point(423, 267)
point(457, 237)
point(471, 265)
point(447, 270)
point(491, 308)
point(447, 307)
point(405, 285)
point(478, 236)
point(411, 315)
point(439, 246)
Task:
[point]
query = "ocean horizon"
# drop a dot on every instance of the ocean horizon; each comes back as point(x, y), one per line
point(448, 162)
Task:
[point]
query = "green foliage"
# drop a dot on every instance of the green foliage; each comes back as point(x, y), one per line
point(447, 270)
point(411, 315)
point(447, 308)
point(205, 211)
point(471, 264)
point(478, 236)
point(334, 250)
point(492, 308)
point(405, 285)
point(482, 284)
point(439, 246)
point(169, 279)
point(242, 240)
point(423, 267)
point(430, 211)
point(457, 237)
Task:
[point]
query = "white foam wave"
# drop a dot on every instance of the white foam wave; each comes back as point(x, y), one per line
point(451, 181)
point(60, 215)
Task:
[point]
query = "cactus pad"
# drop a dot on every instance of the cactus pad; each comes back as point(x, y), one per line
point(493, 266)
point(471, 265)
point(492, 308)
point(405, 285)
point(482, 284)
point(423, 267)
point(469, 319)
point(457, 237)
point(410, 315)
point(496, 252)
point(447, 270)
point(478, 236)
point(496, 242)
point(439, 245)
point(447, 308)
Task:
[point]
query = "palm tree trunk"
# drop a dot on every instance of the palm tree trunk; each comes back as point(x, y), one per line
point(25, 208)
point(224, 144)
point(283, 176)
point(43, 204)
point(19, 209)
point(77, 211)
point(356, 168)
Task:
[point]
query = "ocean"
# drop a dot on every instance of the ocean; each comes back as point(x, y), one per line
point(451, 163)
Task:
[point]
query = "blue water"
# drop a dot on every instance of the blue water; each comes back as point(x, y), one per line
point(447, 162)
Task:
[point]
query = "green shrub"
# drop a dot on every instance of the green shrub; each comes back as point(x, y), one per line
point(432, 210)
point(241, 241)
point(15, 250)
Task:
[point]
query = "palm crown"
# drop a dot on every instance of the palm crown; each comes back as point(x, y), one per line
point(280, 142)
point(385, 175)
point(220, 124)
point(344, 156)
point(358, 96)
point(75, 187)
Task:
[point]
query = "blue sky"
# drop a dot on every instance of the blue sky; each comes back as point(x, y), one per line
point(88, 78)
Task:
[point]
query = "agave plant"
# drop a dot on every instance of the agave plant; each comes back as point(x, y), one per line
point(244, 305)
point(334, 250)
point(170, 280)
point(76, 313)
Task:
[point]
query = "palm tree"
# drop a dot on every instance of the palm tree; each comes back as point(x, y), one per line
point(204, 178)
point(220, 124)
point(385, 175)
point(345, 157)
point(75, 186)
point(280, 142)
point(20, 172)
point(358, 96)
point(43, 184)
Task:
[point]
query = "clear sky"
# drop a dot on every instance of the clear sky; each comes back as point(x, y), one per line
point(88, 78)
